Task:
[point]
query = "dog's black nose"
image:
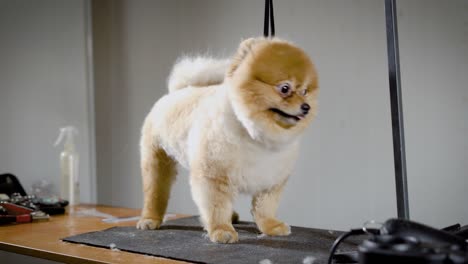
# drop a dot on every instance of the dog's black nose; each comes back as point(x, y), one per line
point(305, 108)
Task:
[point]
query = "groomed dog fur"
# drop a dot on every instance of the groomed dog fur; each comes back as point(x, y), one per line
point(236, 125)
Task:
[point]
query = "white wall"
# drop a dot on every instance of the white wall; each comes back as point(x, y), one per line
point(434, 63)
point(43, 86)
point(345, 173)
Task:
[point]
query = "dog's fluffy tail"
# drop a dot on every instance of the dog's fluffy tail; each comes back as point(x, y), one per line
point(197, 71)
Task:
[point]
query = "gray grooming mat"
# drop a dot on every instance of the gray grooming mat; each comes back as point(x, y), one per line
point(185, 239)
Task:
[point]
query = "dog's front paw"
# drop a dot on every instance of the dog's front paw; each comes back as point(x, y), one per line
point(148, 224)
point(273, 227)
point(223, 234)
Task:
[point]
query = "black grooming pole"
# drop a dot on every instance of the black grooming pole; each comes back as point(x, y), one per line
point(396, 109)
point(269, 19)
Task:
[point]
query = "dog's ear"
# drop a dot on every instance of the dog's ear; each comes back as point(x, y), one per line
point(244, 49)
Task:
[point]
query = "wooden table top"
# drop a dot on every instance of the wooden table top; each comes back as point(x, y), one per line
point(42, 239)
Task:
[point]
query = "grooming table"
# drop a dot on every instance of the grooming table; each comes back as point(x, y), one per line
point(184, 239)
point(43, 240)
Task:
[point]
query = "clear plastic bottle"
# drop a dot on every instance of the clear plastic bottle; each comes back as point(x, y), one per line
point(69, 180)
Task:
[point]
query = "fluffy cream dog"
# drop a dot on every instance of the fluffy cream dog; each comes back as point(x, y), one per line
point(236, 126)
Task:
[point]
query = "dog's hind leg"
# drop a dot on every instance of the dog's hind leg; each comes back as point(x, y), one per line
point(158, 171)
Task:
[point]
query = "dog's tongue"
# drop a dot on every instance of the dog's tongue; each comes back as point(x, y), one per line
point(301, 116)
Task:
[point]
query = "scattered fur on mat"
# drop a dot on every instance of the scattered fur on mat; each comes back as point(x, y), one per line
point(236, 125)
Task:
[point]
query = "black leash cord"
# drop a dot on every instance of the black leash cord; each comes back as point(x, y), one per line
point(269, 19)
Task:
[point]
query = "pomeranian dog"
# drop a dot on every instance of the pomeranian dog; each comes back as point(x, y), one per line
point(236, 125)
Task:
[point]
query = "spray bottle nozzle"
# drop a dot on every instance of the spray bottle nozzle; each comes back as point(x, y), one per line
point(67, 132)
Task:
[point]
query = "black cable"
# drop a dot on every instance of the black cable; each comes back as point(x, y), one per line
point(272, 19)
point(269, 20)
point(341, 238)
point(266, 18)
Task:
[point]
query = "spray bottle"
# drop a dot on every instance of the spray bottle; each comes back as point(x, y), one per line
point(69, 181)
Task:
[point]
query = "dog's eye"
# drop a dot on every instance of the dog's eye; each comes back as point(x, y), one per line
point(304, 92)
point(284, 89)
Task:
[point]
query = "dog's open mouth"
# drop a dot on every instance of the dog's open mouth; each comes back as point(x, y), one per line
point(286, 115)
